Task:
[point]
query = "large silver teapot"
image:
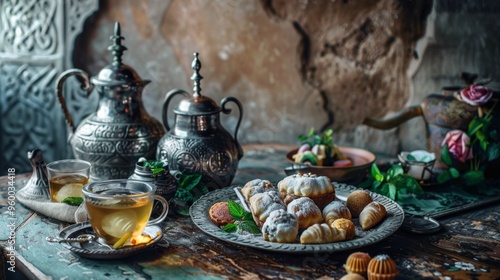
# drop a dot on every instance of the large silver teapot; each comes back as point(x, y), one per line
point(121, 131)
point(198, 144)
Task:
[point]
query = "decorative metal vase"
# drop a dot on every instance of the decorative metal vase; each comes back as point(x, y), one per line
point(198, 144)
point(37, 187)
point(121, 131)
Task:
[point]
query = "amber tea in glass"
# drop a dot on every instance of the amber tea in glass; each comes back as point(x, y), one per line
point(67, 177)
point(120, 209)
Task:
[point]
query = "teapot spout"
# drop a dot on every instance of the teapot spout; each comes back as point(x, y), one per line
point(398, 119)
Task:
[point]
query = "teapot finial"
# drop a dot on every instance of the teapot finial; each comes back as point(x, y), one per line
point(196, 66)
point(117, 48)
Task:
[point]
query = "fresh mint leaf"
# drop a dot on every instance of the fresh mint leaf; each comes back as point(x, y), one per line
point(236, 211)
point(188, 182)
point(249, 226)
point(244, 219)
point(230, 228)
point(375, 172)
point(409, 184)
point(394, 171)
point(392, 191)
point(73, 200)
point(393, 184)
point(190, 188)
point(367, 183)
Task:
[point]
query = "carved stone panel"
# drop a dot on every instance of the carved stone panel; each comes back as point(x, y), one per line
point(35, 46)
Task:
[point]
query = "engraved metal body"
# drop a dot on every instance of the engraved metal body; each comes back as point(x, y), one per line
point(198, 143)
point(121, 131)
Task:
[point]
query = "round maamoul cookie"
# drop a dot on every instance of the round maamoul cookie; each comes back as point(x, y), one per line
point(357, 200)
point(219, 214)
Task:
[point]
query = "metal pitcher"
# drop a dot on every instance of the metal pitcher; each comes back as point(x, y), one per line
point(197, 143)
point(121, 131)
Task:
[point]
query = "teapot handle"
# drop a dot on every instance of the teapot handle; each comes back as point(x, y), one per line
point(227, 111)
point(86, 85)
point(168, 98)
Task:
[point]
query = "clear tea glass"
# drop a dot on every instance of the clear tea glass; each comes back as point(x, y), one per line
point(67, 177)
point(120, 209)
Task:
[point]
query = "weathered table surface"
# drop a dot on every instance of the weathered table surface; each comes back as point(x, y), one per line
point(468, 246)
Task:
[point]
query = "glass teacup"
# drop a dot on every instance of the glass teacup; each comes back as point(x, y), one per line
point(67, 177)
point(119, 210)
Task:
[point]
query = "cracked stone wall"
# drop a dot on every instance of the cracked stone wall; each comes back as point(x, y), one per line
point(292, 64)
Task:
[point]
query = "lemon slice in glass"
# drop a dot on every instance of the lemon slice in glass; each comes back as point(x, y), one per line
point(69, 190)
point(119, 223)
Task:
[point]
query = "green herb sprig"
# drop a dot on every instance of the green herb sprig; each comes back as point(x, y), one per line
point(314, 138)
point(243, 219)
point(190, 188)
point(393, 183)
point(156, 167)
point(73, 200)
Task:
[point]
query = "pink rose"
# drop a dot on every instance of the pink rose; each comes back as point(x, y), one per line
point(476, 95)
point(458, 145)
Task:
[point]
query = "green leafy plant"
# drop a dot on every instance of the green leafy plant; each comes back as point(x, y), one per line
point(73, 200)
point(314, 138)
point(393, 183)
point(190, 188)
point(243, 219)
point(155, 166)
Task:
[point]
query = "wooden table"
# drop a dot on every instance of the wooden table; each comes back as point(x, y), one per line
point(468, 246)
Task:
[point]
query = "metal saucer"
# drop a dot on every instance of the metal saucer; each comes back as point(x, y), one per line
point(97, 250)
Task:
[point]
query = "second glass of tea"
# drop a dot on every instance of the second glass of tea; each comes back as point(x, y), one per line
point(67, 177)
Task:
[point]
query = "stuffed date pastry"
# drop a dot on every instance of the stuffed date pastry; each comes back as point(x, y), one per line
point(281, 227)
point(256, 186)
point(322, 233)
point(262, 204)
point(372, 214)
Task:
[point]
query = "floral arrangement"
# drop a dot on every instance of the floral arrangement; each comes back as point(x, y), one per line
point(467, 153)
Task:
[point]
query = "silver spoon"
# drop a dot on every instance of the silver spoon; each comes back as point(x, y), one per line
point(79, 238)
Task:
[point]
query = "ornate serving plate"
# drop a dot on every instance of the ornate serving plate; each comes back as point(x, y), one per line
point(96, 250)
point(395, 216)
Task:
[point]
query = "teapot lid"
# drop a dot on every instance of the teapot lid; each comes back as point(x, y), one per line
point(117, 73)
point(197, 104)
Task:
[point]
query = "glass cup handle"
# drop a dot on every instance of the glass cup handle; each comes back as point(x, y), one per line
point(164, 212)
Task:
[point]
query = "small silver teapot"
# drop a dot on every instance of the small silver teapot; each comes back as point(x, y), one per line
point(121, 131)
point(198, 144)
